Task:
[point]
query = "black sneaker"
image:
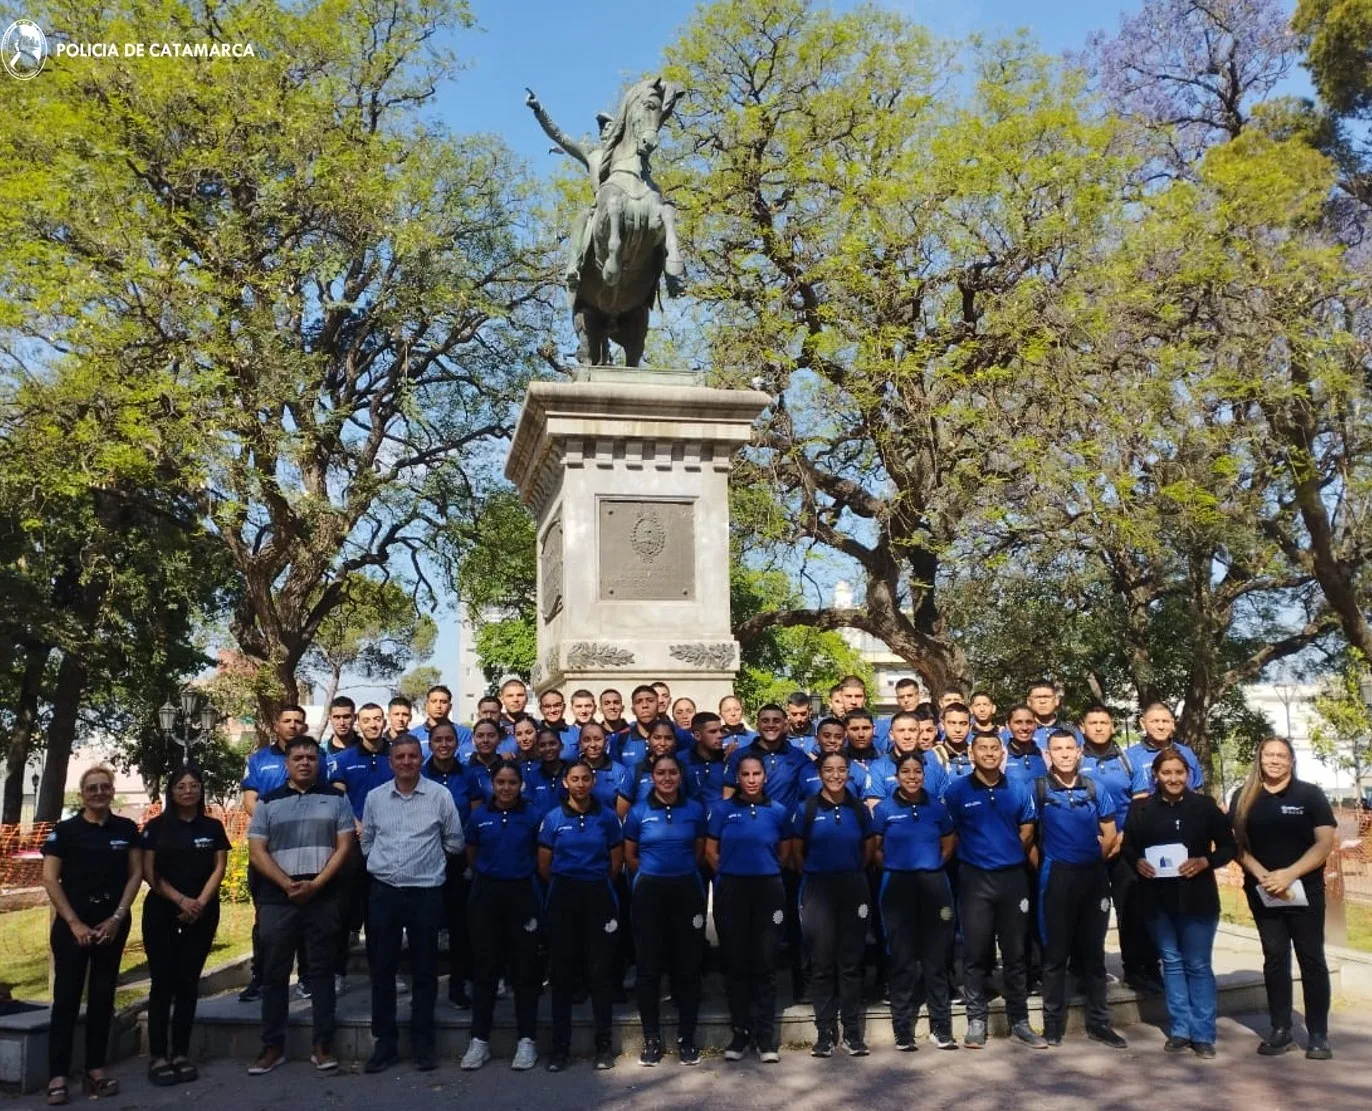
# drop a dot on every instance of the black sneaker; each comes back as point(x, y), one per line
point(1204, 1050)
point(854, 1046)
point(382, 1058)
point(687, 1053)
point(1176, 1045)
point(605, 1058)
point(252, 993)
point(1318, 1049)
point(942, 1039)
point(738, 1046)
point(824, 1046)
point(1277, 1042)
point(651, 1053)
point(1025, 1034)
point(459, 998)
point(1106, 1036)
point(905, 1040)
point(1052, 1036)
point(559, 1060)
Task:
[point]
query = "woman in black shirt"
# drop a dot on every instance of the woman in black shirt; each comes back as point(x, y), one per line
point(1285, 831)
point(1181, 902)
point(185, 853)
point(92, 869)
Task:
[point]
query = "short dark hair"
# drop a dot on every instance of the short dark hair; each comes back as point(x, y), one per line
point(771, 706)
point(343, 702)
point(911, 714)
point(661, 683)
point(983, 734)
point(1097, 708)
point(513, 681)
point(851, 681)
point(924, 712)
point(903, 684)
point(952, 690)
point(857, 715)
point(399, 700)
point(1052, 686)
point(369, 706)
point(702, 719)
point(302, 741)
point(289, 708)
point(407, 739)
point(1056, 733)
point(485, 698)
point(582, 692)
point(798, 698)
point(980, 694)
point(955, 708)
point(642, 688)
point(438, 688)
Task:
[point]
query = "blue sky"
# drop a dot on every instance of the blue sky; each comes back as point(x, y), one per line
point(576, 54)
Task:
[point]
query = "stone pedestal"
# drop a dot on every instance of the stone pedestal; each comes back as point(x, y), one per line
point(626, 472)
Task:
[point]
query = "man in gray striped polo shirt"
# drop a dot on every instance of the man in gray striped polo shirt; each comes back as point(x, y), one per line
point(410, 826)
point(298, 841)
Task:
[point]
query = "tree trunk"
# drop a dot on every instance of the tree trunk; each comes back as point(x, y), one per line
point(66, 706)
point(287, 691)
point(21, 735)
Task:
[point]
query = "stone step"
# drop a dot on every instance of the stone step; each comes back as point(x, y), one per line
point(226, 1028)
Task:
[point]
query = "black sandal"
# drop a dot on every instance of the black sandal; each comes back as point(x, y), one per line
point(57, 1094)
point(163, 1075)
point(100, 1086)
point(185, 1071)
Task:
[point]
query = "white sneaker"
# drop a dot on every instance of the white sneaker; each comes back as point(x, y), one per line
point(526, 1055)
point(502, 989)
point(478, 1053)
point(340, 984)
point(400, 986)
point(302, 990)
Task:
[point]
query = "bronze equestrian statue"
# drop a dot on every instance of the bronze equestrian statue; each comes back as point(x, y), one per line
point(621, 247)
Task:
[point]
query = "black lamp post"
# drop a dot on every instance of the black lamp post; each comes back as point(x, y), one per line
point(193, 721)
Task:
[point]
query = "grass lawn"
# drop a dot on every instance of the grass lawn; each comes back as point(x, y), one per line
point(1234, 908)
point(24, 953)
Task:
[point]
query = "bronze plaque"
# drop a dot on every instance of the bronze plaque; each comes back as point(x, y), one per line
point(647, 551)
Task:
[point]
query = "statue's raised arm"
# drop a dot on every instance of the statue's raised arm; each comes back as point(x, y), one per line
point(555, 133)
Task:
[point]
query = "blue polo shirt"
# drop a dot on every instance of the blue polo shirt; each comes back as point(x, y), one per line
point(464, 738)
point(1142, 756)
point(911, 831)
point(544, 790)
point(505, 840)
point(749, 836)
point(1069, 821)
point(804, 741)
point(705, 777)
point(478, 775)
point(581, 843)
point(882, 782)
point(632, 747)
point(1023, 768)
point(1114, 771)
point(455, 779)
point(266, 770)
point(570, 733)
point(666, 835)
point(956, 765)
point(784, 769)
point(739, 735)
point(832, 833)
point(361, 772)
point(612, 782)
point(859, 782)
point(1041, 733)
point(987, 820)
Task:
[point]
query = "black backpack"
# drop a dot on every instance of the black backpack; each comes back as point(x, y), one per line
point(1041, 795)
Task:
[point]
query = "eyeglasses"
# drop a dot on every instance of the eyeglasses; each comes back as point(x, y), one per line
point(98, 788)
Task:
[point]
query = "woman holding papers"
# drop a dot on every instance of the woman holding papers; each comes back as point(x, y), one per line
point(1175, 839)
point(1285, 831)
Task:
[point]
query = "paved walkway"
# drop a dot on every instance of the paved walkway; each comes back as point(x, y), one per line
point(1080, 1074)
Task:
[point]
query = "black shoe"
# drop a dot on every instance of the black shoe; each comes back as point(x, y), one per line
point(1106, 1036)
point(605, 1058)
point(854, 1046)
point(1144, 984)
point(251, 994)
point(1204, 1050)
point(1277, 1042)
point(687, 1053)
point(460, 999)
point(382, 1058)
point(905, 1039)
point(824, 1045)
point(1025, 1034)
point(738, 1046)
point(426, 1061)
point(1319, 1048)
point(559, 1060)
point(1052, 1036)
point(651, 1053)
point(1176, 1045)
point(942, 1039)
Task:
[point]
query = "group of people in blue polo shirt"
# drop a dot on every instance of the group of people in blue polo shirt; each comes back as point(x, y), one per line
point(920, 846)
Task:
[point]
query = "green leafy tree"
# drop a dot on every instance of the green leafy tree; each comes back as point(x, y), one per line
point(330, 296)
point(415, 684)
point(375, 633)
point(1342, 738)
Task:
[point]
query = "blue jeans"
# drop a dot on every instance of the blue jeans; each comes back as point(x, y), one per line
point(416, 913)
point(1185, 943)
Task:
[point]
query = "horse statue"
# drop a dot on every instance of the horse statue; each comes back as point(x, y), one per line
point(627, 241)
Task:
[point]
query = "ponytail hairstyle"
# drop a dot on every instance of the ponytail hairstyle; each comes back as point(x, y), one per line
point(1248, 793)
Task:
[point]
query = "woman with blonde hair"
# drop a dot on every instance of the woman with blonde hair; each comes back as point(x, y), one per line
point(1285, 831)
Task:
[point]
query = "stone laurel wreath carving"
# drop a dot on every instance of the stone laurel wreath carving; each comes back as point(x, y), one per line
point(536, 676)
point(582, 655)
point(703, 655)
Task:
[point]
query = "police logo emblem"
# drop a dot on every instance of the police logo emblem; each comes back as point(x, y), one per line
point(698, 922)
point(945, 913)
point(1024, 906)
point(862, 910)
point(778, 918)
